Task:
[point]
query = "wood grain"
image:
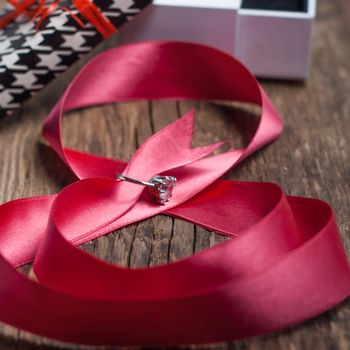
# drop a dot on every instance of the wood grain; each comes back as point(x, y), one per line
point(310, 159)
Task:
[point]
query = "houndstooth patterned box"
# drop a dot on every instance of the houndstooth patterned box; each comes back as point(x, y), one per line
point(30, 58)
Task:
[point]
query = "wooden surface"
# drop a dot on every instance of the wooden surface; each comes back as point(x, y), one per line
point(310, 159)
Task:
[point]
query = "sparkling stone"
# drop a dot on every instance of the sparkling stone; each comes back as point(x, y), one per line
point(162, 189)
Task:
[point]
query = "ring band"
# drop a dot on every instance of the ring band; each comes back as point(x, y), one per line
point(160, 187)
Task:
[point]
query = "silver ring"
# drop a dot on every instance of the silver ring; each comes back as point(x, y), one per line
point(160, 188)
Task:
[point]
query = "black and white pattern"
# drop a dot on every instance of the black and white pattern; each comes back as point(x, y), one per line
point(29, 59)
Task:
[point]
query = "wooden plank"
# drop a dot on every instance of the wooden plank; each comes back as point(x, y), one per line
point(311, 158)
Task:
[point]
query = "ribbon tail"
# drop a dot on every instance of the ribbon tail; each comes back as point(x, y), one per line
point(168, 149)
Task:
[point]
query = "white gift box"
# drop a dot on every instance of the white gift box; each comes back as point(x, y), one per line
point(272, 38)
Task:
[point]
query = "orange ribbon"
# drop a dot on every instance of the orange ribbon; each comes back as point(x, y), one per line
point(19, 8)
point(87, 9)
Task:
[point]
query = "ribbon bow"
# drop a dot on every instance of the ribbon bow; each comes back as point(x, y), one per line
point(286, 263)
point(39, 10)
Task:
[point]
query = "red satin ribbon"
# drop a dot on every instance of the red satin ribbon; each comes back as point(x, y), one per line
point(286, 263)
point(86, 8)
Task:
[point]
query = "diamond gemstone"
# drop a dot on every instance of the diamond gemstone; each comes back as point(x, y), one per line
point(162, 189)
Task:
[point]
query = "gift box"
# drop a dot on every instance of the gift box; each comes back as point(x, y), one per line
point(271, 37)
point(42, 40)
